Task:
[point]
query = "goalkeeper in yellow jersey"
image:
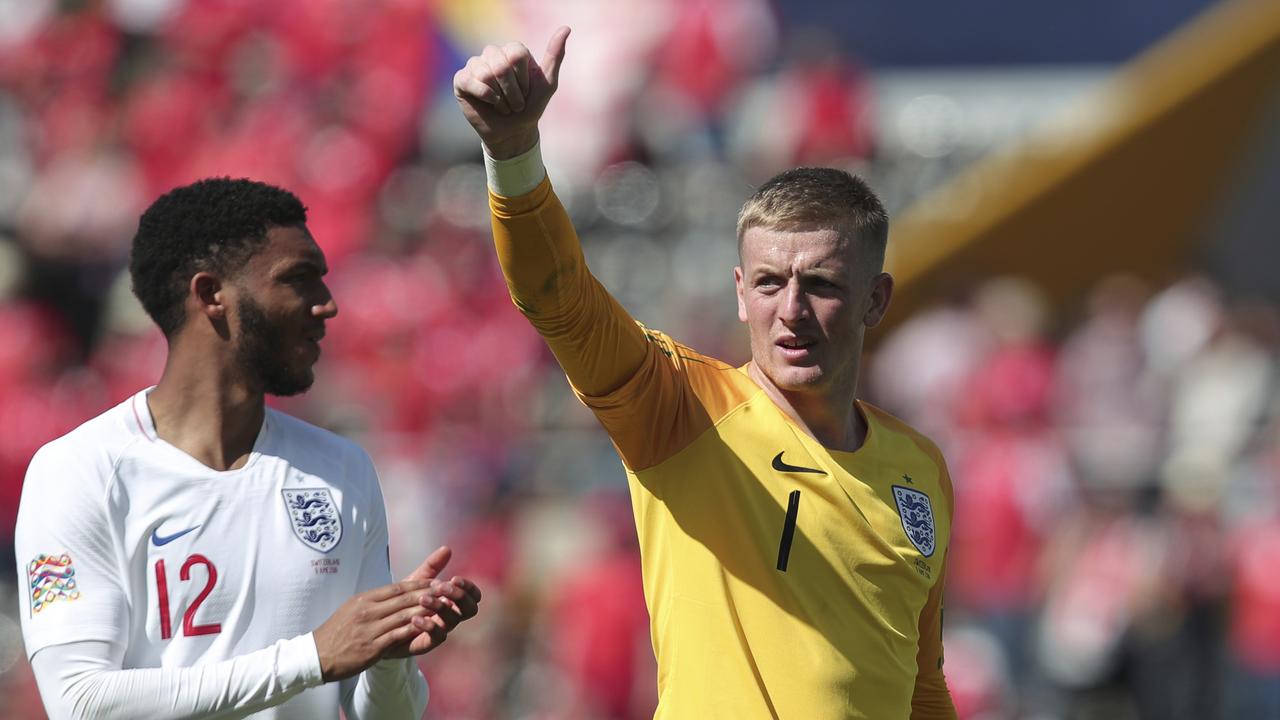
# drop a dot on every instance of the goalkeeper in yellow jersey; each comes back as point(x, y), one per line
point(794, 539)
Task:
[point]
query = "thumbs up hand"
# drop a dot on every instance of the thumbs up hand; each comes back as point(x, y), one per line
point(503, 93)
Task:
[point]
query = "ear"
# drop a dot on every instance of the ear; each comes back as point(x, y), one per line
point(209, 296)
point(881, 293)
point(742, 301)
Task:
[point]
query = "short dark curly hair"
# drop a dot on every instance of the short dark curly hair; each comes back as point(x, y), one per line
point(212, 225)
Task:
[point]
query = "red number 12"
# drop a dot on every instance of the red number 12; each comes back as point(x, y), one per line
point(189, 626)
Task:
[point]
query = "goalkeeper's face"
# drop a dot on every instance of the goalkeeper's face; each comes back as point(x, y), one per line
point(281, 307)
point(807, 300)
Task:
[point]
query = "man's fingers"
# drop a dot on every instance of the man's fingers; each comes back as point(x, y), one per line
point(469, 603)
point(398, 619)
point(438, 559)
point(504, 74)
point(470, 588)
point(433, 627)
point(519, 58)
point(457, 600)
point(397, 635)
point(450, 615)
point(433, 565)
point(479, 82)
point(555, 55)
point(466, 85)
point(404, 588)
point(450, 590)
point(382, 615)
point(457, 589)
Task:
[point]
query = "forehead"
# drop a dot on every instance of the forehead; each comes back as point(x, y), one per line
point(286, 245)
point(817, 248)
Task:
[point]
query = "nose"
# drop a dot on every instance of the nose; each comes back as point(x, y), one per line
point(795, 304)
point(326, 309)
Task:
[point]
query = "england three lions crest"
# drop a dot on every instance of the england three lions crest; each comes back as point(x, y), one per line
point(314, 517)
point(917, 518)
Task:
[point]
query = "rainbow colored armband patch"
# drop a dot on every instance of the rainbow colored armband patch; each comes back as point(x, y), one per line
point(51, 578)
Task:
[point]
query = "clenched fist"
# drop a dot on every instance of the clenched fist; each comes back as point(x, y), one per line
point(503, 93)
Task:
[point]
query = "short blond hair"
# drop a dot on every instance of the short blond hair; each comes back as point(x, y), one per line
point(808, 198)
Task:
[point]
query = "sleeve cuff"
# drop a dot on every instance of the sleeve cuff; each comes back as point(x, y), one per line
point(398, 676)
point(517, 176)
point(298, 662)
point(393, 669)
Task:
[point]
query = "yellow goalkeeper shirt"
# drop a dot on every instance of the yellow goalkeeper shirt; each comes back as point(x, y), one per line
point(783, 579)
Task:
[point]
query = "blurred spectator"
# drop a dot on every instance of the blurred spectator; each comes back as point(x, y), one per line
point(1108, 401)
point(920, 370)
point(600, 628)
point(1251, 509)
point(829, 118)
point(1255, 632)
point(978, 674)
point(1106, 567)
point(1012, 478)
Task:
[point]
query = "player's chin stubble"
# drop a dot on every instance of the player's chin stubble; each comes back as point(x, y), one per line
point(261, 356)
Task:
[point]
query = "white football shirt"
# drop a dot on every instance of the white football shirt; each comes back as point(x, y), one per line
point(124, 538)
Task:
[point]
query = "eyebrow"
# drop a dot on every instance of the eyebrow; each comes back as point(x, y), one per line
point(308, 263)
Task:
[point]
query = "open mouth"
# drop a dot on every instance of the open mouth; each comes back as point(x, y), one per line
point(795, 344)
point(795, 347)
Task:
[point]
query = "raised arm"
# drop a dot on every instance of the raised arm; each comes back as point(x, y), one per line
point(503, 92)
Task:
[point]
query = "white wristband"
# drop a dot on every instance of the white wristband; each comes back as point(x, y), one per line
point(516, 176)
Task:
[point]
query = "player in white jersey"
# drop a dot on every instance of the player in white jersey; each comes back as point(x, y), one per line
point(191, 553)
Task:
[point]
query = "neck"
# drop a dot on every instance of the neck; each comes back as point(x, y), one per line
point(829, 417)
point(204, 408)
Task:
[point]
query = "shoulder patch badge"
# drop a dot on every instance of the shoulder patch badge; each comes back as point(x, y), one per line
point(917, 518)
point(51, 578)
point(314, 517)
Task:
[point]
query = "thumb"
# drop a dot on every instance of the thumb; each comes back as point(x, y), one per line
point(554, 55)
point(433, 565)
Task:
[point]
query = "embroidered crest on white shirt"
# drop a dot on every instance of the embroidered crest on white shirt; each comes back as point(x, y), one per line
point(314, 517)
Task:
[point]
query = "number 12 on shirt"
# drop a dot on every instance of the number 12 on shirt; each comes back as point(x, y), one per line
point(189, 626)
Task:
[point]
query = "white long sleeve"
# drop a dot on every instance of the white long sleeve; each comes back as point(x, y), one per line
point(80, 680)
point(390, 690)
point(84, 680)
point(156, 587)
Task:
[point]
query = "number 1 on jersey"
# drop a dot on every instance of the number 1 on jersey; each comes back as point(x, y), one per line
point(189, 626)
point(788, 530)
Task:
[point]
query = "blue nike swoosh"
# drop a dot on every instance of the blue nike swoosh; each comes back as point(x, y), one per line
point(158, 541)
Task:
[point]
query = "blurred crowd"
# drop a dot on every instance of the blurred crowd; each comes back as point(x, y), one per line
point(1117, 496)
point(1116, 464)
